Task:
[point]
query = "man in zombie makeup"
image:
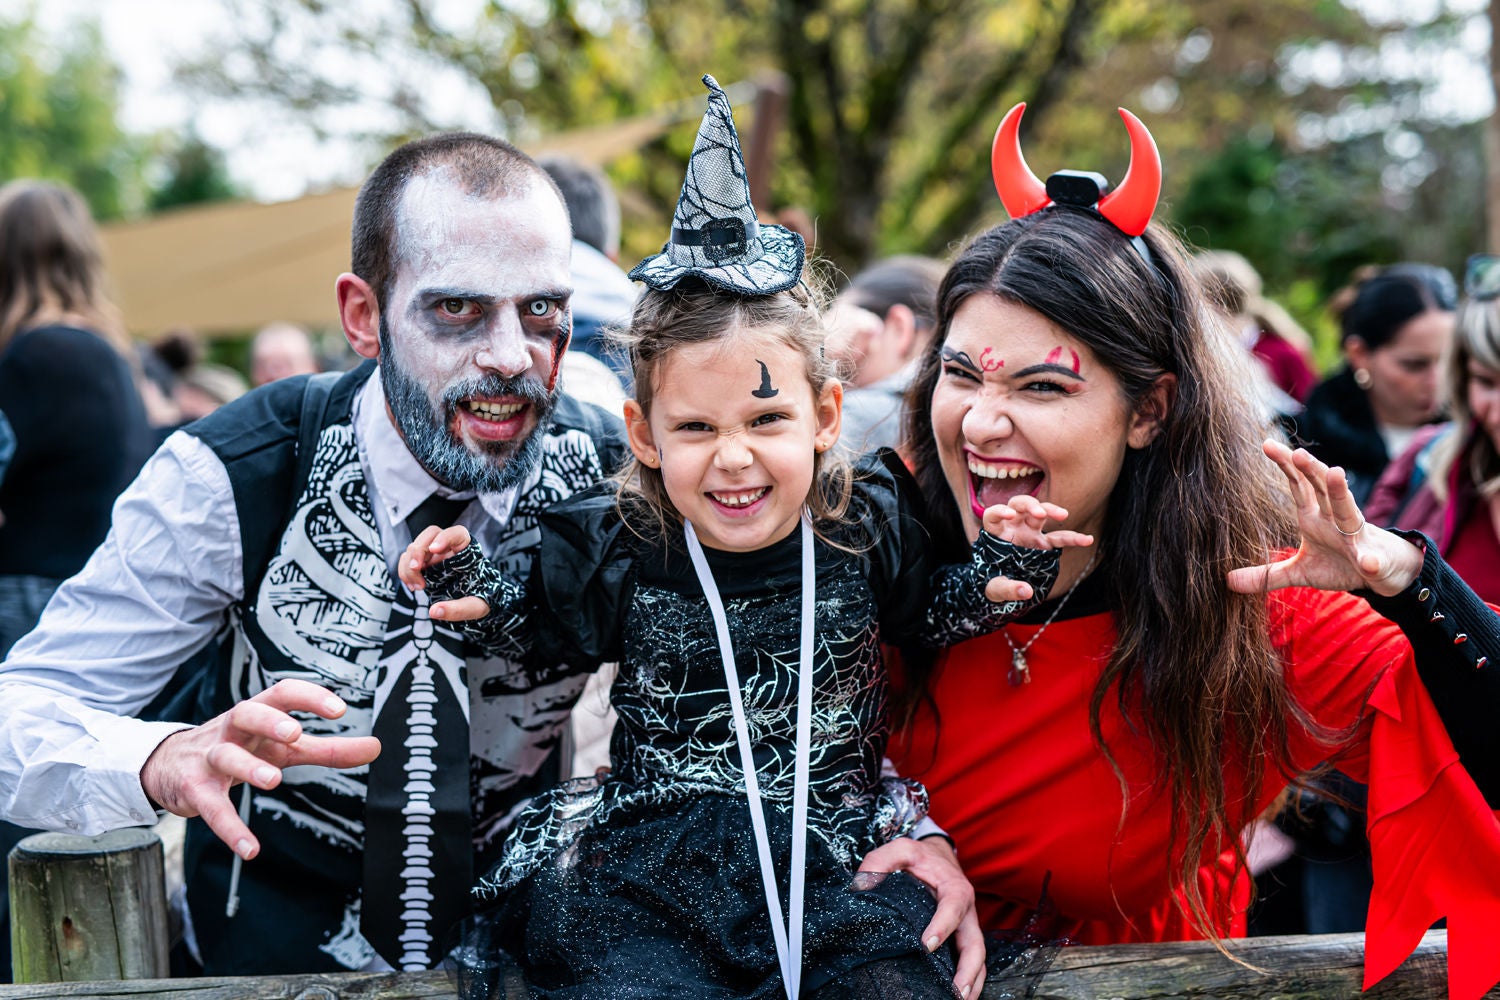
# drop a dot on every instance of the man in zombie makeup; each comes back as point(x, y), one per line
point(272, 528)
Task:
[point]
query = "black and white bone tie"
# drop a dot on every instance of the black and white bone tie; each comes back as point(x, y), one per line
point(418, 859)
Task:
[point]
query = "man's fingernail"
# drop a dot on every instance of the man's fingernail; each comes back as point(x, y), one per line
point(933, 942)
point(286, 730)
point(333, 705)
point(968, 988)
point(264, 775)
point(242, 848)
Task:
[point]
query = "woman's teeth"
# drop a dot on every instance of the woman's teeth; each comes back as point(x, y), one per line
point(493, 411)
point(742, 499)
point(984, 471)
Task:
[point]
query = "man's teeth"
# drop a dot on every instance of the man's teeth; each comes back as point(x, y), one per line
point(493, 411)
point(742, 499)
point(984, 471)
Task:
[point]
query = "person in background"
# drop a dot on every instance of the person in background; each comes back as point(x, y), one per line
point(7, 446)
point(198, 387)
point(59, 334)
point(158, 388)
point(602, 295)
point(1284, 349)
point(68, 390)
point(1395, 329)
point(1447, 482)
point(280, 350)
point(205, 387)
point(876, 329)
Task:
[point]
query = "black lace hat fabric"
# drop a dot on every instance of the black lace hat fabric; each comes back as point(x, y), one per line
point(715, 234)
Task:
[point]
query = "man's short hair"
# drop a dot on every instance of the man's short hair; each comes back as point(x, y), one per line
point(484, 167)
point(591, 202)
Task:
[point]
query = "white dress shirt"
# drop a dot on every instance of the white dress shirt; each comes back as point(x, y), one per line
point(155, 592)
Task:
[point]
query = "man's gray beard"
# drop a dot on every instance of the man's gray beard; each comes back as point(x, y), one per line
point(425, 426)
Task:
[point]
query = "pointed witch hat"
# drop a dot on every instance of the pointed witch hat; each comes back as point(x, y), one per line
point(715, 235)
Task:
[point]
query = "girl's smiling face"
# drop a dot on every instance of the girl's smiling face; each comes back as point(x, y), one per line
point(1022, 406)
point(734, 427)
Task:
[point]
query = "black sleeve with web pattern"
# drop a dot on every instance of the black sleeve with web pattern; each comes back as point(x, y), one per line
point(509, 629)
point(959, 610)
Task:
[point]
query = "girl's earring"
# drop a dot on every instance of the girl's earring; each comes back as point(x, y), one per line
point(1362, 378)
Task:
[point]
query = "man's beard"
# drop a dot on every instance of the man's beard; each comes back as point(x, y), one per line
point(426, 426)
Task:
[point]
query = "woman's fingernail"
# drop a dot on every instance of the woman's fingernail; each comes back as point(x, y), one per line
point(242, 848)
point(333, 706)
point(286, 730)
point(933, 942)
point(968, 988)
point(264, 775)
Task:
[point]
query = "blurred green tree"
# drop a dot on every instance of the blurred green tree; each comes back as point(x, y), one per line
point(890, 103)
point(58, 117)
point(195, 173)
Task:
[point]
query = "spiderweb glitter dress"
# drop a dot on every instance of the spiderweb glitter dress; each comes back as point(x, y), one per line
point(644, 882)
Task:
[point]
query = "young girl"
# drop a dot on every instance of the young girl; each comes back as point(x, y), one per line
point(744, 583)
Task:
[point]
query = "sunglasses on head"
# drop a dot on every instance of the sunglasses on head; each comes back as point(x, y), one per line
point(1482, 277)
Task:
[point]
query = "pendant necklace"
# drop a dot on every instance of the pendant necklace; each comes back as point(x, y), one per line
point(1020, 673)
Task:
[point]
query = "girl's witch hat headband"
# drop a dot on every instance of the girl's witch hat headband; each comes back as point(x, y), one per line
point(715, 234)
point(1129, 207)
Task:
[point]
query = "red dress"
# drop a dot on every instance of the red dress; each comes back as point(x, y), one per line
point(1016, 779)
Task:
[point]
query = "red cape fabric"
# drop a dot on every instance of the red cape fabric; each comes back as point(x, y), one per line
point(1017, 780)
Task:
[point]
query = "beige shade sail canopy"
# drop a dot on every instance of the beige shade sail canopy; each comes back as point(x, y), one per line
point(232, 267)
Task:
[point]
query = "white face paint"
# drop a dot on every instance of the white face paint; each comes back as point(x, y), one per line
point(474, 325)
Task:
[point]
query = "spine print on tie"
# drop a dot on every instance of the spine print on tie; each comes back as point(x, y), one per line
point(416, 874)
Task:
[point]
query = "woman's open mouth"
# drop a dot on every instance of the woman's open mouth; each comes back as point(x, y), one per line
point(992, 482)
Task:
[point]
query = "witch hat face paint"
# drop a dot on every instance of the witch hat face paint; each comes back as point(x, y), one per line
point(715, 234)
point(1129, 207)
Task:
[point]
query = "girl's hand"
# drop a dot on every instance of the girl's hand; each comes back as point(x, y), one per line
point(1339, 550)
point(1020, 522)
point(432, 546)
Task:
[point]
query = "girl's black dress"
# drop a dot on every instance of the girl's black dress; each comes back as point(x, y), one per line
point(644, 882)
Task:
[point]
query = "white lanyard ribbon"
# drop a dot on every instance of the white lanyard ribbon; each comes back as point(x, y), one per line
point(788, 936)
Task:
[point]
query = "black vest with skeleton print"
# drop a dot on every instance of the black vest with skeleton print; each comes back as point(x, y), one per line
point(317, 600)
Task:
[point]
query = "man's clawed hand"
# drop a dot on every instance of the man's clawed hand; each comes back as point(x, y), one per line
point(191, 772)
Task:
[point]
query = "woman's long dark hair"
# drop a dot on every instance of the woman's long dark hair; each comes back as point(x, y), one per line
point(52, 264)
point(1194, 670)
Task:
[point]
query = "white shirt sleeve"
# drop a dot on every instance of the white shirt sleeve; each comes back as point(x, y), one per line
point(155, 592)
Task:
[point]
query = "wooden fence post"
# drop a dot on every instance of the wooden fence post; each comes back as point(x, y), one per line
point(88, 908)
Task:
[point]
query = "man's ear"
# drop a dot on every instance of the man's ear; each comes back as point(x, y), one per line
point(901, 328)
point(638, 433)
point(359, 311)
point(830, 414)
point(1149, 416)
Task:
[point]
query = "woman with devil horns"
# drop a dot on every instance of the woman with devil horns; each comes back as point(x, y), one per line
point(1235, 624)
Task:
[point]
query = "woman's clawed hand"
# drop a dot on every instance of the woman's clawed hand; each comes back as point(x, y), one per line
point(1339, 550)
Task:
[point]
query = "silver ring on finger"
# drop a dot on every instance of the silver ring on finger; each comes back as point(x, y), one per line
point(1350, 534)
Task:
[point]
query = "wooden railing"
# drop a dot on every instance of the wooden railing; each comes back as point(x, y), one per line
point(85, 911)
point(1296, 968)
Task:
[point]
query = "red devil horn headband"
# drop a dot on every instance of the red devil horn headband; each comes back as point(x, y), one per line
point(1128, 206)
